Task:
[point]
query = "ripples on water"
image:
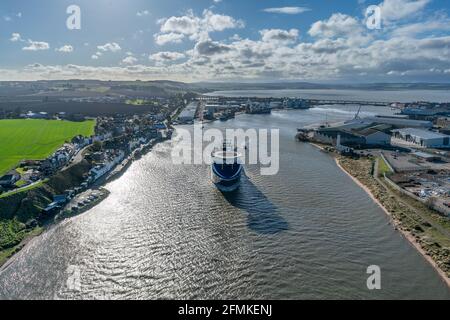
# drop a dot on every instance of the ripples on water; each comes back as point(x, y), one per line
point(166, 232)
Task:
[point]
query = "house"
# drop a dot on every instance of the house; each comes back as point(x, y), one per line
point(159, 126)
point(60, 199)
point(100, 170)
point(38, 115)
point(423, 138)
point(9, 179)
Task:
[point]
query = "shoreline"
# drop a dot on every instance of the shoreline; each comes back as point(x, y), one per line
point(114, 174)
point(408, 236)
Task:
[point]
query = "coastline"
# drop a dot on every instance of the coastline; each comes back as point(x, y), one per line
point(411, 239)
point(115, 173)
point(396, 223)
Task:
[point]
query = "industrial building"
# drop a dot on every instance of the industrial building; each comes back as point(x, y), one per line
point(423, 138)
point(188, 114)
point(399, 122)
point(370, 135)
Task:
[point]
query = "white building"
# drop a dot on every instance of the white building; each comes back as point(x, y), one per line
point(101, 169)
point(423, 138)
point(188, 114)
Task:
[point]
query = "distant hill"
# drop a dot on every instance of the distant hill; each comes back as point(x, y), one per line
point(207, 86)
point(165, 88)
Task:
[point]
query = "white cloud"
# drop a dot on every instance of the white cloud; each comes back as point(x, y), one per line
point(209, 48)
point(392, 10)
point(413, 29)
point(36, 46)
point(184, 25)
point(166, 56)
point(279, 35)
point(336, 26)
point(219, 22)
point(341, 48)
point(16, 37)
point(129, 60)
point(162, 39)
point(196, 27)
point(111, 46)
point(326, 59)
point(65, 49)
point(142, 13)
point(287, 10)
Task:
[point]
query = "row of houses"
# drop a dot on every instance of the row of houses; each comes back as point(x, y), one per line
point(111, 159)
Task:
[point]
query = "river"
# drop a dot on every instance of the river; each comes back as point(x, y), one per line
point(308, 232)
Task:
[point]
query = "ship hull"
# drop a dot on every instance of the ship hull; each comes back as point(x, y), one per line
point(225, 180)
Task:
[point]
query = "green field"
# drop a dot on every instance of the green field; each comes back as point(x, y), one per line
point(36, 139)
point(383, 168)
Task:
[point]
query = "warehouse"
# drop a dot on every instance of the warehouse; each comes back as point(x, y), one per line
point(188, 114)
point(423, 138)
point(374, 136)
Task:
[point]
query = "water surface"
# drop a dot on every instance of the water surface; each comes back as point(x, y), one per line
point(335, 94)
point(166, 232)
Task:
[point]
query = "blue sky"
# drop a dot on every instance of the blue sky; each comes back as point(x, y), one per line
point(322, 40)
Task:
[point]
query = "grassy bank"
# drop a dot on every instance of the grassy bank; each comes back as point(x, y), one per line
point(21, 212)
point(36, 139)
point(423, 226)
point(13, 236)
point(25, 189)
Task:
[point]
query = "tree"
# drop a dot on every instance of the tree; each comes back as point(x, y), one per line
point(97, 146)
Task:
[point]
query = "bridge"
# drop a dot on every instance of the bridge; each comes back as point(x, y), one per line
point(240, 99)
point(352, 102)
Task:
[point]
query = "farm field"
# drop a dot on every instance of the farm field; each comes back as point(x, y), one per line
point(36, 139)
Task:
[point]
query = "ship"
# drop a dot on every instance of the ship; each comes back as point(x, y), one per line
point(226, 169)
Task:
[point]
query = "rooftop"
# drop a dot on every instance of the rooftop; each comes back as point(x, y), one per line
point(425, 134)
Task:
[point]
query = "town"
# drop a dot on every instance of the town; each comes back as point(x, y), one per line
point(118, 139)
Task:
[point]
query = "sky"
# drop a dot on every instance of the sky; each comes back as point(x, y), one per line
point(226, 40)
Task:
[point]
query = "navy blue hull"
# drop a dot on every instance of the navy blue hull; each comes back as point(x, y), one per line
point(226, 177)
